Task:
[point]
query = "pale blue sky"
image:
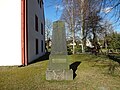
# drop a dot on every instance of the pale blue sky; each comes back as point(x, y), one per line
point(50, 10)
point(110, 16)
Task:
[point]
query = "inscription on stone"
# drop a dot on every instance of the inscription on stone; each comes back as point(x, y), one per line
point(59, 60)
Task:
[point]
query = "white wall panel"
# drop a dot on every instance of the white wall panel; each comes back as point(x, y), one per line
point(10, 32)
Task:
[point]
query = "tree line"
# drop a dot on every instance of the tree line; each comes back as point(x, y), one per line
point(86, 19)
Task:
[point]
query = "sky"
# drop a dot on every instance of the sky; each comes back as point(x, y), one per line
point(109, 17)
point(51, 10)
point(51, 13)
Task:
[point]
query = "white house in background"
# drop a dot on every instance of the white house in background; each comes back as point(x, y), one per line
point(22, 35)
point(89, 44)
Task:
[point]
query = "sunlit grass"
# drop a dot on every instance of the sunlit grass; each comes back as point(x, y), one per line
point(92, 74)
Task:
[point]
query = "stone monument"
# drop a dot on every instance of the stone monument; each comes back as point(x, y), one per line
point(58, 67)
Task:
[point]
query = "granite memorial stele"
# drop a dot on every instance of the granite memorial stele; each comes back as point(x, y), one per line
point(58, 66)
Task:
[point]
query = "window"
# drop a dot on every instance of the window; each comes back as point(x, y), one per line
point(41, 28)
point(40, 3)
point(36, 23)
point(36, 42)
point(41, 45)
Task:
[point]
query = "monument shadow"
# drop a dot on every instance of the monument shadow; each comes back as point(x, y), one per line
point(74, 67)
point(114, 58)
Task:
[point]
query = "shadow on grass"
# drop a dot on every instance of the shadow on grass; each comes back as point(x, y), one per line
point(42, 58)
point(115, 58)
point(74, 66)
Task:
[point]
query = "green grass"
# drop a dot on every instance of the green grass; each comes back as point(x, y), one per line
point(92, 74)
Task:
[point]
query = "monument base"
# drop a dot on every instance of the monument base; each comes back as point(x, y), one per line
point(59, 74)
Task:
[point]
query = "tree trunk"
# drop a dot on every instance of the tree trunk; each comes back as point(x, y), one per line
point(73, 35)
point(82, 26)
point(73, 29)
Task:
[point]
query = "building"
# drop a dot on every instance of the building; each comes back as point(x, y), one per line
point(89, 44)
point(22, 35)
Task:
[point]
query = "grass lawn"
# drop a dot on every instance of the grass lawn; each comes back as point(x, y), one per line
point(93, 73)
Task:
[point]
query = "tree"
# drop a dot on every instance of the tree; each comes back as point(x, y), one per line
point(69, 16)
point(48, 31)
point(111, 7)
point(114, 42)
point(107, 29)
point(76, 14)
point(84, 15)
point(89, 18)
